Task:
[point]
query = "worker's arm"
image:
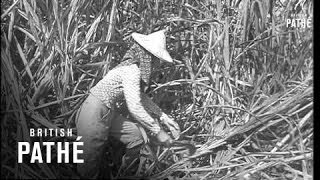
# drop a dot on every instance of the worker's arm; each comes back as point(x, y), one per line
point(152, 108)
point(131, 89)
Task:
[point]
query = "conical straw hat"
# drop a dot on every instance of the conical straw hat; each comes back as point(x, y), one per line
point(155, 43)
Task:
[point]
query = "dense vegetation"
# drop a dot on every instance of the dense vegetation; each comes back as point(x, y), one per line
point(241, 87)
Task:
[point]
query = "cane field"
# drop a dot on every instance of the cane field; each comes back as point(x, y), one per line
point(240, 87)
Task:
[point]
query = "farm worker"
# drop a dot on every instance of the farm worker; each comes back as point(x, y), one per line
point(98, 119)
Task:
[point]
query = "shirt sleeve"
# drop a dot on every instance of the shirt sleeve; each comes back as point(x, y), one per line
point(132, 94)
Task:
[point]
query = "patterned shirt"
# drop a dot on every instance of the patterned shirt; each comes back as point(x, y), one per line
point(123, 83)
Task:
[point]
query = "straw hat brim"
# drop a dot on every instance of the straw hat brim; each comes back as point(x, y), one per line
point(148, 43)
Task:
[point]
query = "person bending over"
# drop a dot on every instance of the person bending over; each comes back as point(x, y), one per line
point(98, 119)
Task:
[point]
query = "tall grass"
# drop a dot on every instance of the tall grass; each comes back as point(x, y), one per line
point(241, 87)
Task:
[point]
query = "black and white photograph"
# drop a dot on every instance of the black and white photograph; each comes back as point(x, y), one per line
point(157, 89)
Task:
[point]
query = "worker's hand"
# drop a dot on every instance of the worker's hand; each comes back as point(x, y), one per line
point(164, 138)
point(172, 125)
